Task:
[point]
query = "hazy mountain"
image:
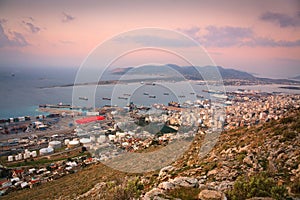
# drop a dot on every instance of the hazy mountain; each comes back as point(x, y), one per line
point(189, 72)
point(296, 77)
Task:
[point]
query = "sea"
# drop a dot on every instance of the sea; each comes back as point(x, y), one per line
point(23, 89)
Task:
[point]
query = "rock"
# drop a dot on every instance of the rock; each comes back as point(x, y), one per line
point(164, 171)
point(243, 149)
point(159, 198)
point(212, 172)
point(225, 185)
point(185, 182)
point(155, 192)
point(211, 195)
point(248, 160)
point(201, 181)
point(166, 185)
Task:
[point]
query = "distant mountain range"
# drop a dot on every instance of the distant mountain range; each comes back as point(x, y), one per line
point(194, 73)
point(296, 77)
point(189, 72)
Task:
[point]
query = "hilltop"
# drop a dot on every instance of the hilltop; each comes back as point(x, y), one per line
point(260, 161)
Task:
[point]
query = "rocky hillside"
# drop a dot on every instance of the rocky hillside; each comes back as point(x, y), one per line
point(262, 161)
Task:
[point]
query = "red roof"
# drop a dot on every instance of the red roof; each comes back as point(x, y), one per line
point(34, 181)
point(89, 119)
point(3, 181)
point(18, 171)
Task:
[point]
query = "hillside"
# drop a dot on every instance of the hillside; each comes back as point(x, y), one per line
point(260, 161)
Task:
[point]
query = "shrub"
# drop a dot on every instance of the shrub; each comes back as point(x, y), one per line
point(241, 156)
point(288, 136)
point(129, 190)
point(184, 193)
point(287, 120)
point(259, 185)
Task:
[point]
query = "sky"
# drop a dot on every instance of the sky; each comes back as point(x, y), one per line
point(260, 37)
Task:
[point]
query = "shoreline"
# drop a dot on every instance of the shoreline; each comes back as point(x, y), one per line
point(227, 82)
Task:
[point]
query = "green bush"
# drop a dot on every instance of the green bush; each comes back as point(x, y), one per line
point(288, 136)
point(131, 189)
point(287, 120)
point(259, 185)
point(241, 156)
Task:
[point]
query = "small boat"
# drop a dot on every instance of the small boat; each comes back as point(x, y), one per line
point(181, 96)
point(151, 84)
point(83, 98)
point(125, 98)
point(106, 98)
point(199, 96)
point(213, 91)
point(166, 93)
point(146, 93)
point(220, 96)
point(152, 96)
point(126, 94)
point(192, 93)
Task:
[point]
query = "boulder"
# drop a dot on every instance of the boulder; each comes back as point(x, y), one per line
point(211, 195)
point(164, 171)
point(166, 185)
point(155, 192)
point(248, 160)
point(185, 182)
point(212, 172)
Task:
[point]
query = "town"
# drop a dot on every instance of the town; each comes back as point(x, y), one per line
point(44, 148)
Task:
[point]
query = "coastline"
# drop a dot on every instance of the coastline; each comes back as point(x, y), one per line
point(227, 82)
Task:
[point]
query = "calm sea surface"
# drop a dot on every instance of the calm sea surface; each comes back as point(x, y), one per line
point(22, 90)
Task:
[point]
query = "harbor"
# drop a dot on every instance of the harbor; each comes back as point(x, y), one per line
point(108, 132)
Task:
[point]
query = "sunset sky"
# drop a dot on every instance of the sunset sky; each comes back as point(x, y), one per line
point(261, 37)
